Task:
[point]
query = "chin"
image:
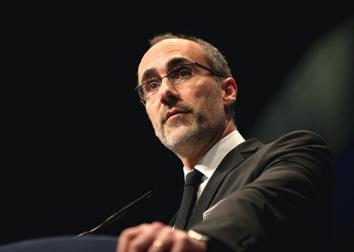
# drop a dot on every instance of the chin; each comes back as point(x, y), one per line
point(180, 136)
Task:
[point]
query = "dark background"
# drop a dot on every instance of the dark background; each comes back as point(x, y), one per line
point(78, 144)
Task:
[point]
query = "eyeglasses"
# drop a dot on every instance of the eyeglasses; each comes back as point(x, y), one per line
point(176, 76)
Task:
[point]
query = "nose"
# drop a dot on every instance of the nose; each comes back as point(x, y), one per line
point(168, 94)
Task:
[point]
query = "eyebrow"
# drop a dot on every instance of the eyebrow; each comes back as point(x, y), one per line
point(149, 74)
point(172, 63)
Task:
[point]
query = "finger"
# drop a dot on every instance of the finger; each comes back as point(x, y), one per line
point(180, 242)
point(145, 238)
point(127, 236)
point(186, 244)
point(163, 240)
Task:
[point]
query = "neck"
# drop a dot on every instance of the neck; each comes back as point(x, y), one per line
point(192, 158)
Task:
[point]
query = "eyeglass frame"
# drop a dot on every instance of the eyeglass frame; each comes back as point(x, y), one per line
point(195, 64)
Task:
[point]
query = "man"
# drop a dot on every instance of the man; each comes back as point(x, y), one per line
point(253, 196)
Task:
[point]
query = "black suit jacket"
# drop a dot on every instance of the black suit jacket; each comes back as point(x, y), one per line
point(270, 197)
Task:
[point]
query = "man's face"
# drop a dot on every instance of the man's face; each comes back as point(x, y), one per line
point(185, 114)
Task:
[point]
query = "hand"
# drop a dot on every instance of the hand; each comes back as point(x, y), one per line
point(157, 237)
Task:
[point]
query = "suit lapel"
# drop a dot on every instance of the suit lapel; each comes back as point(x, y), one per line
point(233, 159)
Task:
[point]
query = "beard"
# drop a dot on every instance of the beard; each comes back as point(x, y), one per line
point(188, 132)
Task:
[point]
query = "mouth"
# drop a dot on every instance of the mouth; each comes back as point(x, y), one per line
point(173, 113)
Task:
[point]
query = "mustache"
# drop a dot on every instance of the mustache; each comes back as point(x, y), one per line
point(182, 108)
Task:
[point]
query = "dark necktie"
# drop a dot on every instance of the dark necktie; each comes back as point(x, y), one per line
point(191, 185)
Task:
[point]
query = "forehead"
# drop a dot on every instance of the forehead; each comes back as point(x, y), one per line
point(159, 54)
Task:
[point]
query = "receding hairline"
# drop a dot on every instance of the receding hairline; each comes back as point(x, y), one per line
point(174, 38)
point(176, 41)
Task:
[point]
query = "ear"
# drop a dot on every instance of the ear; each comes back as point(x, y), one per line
point(229, 91)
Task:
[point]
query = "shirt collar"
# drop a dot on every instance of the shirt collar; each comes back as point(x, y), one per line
point(210, 161)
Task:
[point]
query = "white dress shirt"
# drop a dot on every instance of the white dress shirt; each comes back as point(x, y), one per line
point(208, 164)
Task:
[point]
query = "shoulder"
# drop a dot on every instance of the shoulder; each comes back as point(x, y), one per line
point(297, 145)
point(302, 135)
point(299, 138)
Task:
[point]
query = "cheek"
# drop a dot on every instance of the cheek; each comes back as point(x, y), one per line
point(199, 96)
point(152, 113)
point(195, 95)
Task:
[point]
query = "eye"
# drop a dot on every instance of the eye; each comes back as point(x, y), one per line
point(152, 85)
point(182, 73)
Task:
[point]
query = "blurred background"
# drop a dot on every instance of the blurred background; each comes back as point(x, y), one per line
point(78, 145)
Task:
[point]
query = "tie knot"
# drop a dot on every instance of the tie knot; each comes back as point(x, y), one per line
point(194, 177)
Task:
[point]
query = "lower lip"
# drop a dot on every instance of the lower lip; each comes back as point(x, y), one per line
point(174, 116)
